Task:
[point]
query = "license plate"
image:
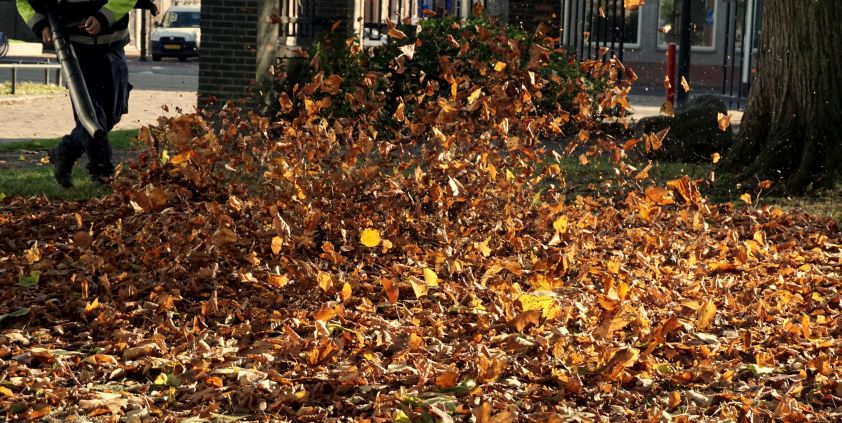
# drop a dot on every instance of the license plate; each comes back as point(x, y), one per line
point(172, 46)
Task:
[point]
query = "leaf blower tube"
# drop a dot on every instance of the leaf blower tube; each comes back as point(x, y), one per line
point(82, 103)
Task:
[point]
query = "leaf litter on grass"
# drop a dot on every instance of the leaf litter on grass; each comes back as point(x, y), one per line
point(308, 267)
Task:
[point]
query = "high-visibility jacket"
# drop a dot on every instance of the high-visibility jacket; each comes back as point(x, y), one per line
point(112, 16)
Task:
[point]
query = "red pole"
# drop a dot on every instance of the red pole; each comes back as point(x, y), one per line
point(670, 73)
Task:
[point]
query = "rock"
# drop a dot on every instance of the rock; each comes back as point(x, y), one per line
point(694, 134)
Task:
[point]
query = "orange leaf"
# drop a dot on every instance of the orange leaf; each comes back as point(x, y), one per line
point(391, 289)
point(214, 381)
point(715, 157)
point(685, 85)
point(526, 318)
point(396, 34)
point(724, 121)
point(706, 315)
point(346, 291)
point(326, 313)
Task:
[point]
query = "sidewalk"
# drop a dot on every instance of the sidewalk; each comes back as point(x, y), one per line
point(155, 85)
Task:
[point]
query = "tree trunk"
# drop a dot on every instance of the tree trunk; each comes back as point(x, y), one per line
point(790, 132)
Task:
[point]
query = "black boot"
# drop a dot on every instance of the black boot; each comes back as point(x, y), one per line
point(62, 166)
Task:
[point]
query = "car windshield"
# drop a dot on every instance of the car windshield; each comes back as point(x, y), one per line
point(181, 20)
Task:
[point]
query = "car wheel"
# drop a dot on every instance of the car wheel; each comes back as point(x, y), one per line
point(156, 57)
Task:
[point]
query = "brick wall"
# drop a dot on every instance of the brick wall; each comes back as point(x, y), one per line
point(228, 59)
point(239, 44)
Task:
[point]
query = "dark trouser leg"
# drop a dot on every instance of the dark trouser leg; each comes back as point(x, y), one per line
point(106, 77)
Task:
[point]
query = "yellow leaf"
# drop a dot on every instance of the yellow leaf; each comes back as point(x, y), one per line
point(277, 243)
point(483, 247)
point(746, 198)
point(346, 291)
point(706, 315)
point(278, 281)
point(500, 66)
point(715, 157)
point(2, 196)
point(560, 224)
point(420, 289)
point(387, 245)
point(6, 392)
point(546, 303)
point(370, 237)
point(685, 85)
point(93, 305)
point(474, 95)
point(325, 281)
point(614, 267)
point(431, 277)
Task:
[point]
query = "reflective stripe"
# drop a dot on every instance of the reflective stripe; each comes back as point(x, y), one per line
point(26, 12)
point(108, 15)
point(37, 17)
point(100, 39)
point(118, 9)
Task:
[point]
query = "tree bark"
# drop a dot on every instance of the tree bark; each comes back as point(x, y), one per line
point(790, 132)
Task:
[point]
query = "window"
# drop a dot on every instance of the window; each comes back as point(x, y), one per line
point(604, 28)
point(740, 18)
point(702, 18)
point(181, 20)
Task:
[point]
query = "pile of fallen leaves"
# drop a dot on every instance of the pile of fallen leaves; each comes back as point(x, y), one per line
point(313, 268)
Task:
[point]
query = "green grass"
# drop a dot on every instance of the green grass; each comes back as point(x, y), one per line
point(30, 88)
point(34, 181)
point(120, 140)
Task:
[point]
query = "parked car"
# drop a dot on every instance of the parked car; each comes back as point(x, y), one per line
point(177, 34)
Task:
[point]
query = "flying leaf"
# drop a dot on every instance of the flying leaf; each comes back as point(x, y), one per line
point(715, 157)
point(764, 184)
point(746, 197)
point(685, 85)
point(667, 109)
point(633, 4)
point(370, 237)
point(408, 50)
point(723, 120)
point(396, 34)
point(277, 243)
point(499, 66)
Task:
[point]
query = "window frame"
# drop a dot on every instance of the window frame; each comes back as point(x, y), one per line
point(704, 49)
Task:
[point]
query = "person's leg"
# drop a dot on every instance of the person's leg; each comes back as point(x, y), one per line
point(94, 65)
point(114, 101)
